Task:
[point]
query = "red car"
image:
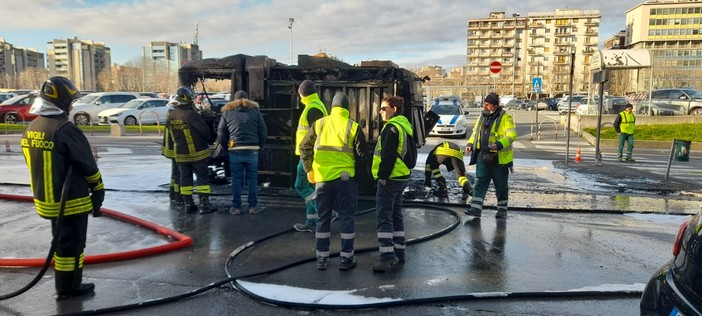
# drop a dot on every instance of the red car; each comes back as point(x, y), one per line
point(16, 109)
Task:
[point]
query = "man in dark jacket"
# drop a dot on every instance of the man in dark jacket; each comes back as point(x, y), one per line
point(243, 132)
point(190, 134)
point(55, 150)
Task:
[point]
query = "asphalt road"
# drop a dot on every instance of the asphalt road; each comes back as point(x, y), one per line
point(548, 244)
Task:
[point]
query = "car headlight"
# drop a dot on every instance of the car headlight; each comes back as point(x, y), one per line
point(116, 115)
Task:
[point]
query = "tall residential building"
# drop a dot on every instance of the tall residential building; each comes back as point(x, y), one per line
point(672, 31)
point(78, 60)
point(15, 60)
point(538, 45)
point(165, 58)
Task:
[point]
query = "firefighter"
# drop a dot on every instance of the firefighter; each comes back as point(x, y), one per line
point(51, 144)
point(392, 174)
point(451, 156)
point(330, 153)
point(190, 135)
point(490, 149)
point(168, 151)
point(314, 109)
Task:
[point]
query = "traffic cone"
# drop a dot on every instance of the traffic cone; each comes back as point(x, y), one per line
point(578, 158)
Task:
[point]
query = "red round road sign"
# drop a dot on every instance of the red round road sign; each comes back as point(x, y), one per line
point(495, 67)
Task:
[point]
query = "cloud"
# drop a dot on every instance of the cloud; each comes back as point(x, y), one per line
point(405, 31)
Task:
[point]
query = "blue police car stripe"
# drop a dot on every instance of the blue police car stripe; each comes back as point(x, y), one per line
point(454, 119)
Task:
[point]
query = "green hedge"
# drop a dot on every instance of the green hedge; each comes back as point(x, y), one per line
point(686, 131)
point(147, 129)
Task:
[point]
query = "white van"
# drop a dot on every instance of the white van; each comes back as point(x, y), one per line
point(506, 98)
point(85, 110)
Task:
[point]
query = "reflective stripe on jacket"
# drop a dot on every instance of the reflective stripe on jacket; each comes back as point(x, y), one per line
point(626, 125)
point(449, 149)
point(334, 147)
point(505, 134)
point(190, 134)
point(49, 145)
point(311, 101)
point(399, 169)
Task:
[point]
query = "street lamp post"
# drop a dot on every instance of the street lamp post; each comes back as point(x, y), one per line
point(514, 65)
point(291, 20)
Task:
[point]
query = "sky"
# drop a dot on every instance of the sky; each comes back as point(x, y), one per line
point(412, 33)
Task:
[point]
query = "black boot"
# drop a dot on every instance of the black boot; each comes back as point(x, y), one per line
point(188, 204)
point(205, 206)
point(68, 285)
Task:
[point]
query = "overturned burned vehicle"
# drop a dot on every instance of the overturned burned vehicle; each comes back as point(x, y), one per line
point(274, 86)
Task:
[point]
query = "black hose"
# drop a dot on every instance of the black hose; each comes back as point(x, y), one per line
point(59, 221)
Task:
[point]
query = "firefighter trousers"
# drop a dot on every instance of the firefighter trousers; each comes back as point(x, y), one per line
point(343, 194)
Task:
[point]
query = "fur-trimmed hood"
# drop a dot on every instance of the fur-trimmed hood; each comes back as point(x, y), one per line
point(240, 104)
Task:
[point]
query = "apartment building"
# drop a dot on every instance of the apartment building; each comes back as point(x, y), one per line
point(15, 60)
point(165, 58)
point(542, 45)
point(672, 31)
point(79, 60)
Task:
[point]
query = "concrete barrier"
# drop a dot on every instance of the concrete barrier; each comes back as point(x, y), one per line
point(590, 121)
point(117, 129)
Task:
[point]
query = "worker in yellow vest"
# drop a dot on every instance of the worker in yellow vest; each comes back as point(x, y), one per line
point(314, 110)
point(624, 125)
point(330, 154)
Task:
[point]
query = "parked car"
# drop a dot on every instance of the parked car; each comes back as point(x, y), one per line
point(146, 111)
point(5, 96)
point(676, 288)
point(533, 104)
point(573, 100)
point(86, 109)
point(552, 103)
point(452, 118)
point(515, 104)
point(506, 98)
point(659, 109)
point(688, 101)
point(16, 109)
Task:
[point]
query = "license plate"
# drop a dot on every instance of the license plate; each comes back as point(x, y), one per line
point(446, 129)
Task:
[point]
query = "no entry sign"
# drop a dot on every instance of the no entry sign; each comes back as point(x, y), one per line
point(495, 67)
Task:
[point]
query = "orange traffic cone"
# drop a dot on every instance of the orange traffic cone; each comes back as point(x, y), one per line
point(578, 158)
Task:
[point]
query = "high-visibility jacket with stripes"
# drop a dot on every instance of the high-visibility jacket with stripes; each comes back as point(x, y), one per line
point(334, 146)
point(168, 146)
point(49, 145)
point(449, 149)
point(399, 169)
point(311, 101)
point(189, 133)
point(626, 125)
point(505, 134)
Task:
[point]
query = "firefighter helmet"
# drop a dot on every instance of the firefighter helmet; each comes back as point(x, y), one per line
point(185, 96)
point(59, 91)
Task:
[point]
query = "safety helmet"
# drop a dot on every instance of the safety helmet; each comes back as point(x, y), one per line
point(59, 91)
point(184, 96)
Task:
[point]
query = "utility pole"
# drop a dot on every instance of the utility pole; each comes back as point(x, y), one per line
point(291, 20)
point(514, 65)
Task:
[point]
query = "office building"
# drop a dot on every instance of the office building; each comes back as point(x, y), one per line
point(161, 61)
point(539, 45)
point(16, 60)
point(78, 60)
point(672, 31)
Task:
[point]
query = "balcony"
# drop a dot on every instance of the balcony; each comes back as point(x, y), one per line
point(562, 34)
point(563, 44)
point(590, 23)
point(532, 51)
point(588, 51)
point(562, 52)
point(536, 24)
point(590, 44)
point(560, 62)
point(537, 44)
point(485, 26)
point(534, 63)
point(591, 33)
point(476, 35)
point(536, 35)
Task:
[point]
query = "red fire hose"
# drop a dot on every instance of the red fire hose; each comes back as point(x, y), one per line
point(181, 240)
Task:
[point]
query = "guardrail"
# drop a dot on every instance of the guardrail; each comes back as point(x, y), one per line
point(158, 126)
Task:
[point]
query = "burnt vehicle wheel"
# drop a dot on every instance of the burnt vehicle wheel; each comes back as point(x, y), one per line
point(11, 118)
point(81, 119)
point(130, 121)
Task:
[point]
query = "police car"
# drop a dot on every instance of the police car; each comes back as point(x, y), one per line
point(452, 118)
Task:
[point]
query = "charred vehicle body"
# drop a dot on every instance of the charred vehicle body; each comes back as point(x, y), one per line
point(274, 86)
